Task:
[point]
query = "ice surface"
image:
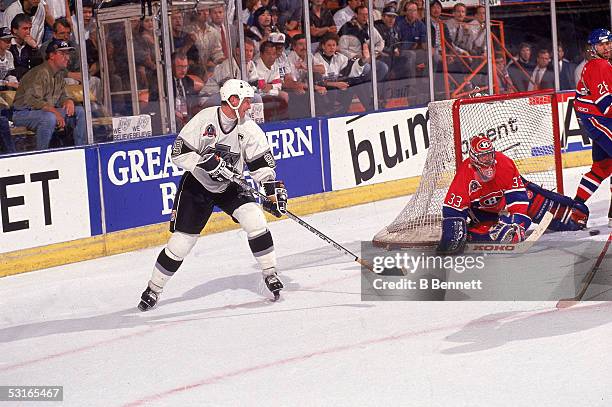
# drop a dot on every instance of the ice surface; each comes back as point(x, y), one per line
point(215, 339)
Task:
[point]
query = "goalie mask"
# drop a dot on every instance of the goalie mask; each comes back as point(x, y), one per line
point(600, 41)
point(482, 157)
point(238, 88)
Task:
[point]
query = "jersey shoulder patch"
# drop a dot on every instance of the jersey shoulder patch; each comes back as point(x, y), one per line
point(210, 131)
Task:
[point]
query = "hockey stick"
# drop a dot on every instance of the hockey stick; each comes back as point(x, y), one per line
point(568, 302)
point(303, 223)
point(505, 248)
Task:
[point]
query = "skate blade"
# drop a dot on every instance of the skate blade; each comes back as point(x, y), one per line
point(143, 306)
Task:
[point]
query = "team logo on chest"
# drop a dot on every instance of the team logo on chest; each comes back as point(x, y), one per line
point(210, 131)
point(491, 199)
point(474, 186)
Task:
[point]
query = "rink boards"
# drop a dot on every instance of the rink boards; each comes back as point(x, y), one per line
point(74, 204)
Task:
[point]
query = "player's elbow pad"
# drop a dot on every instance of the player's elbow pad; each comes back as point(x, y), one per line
point(454, 236)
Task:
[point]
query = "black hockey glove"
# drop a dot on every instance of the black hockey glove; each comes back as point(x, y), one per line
point(217, 168)
point(276, 203)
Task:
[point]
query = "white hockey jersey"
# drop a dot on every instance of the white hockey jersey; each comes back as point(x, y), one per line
point(203, 136)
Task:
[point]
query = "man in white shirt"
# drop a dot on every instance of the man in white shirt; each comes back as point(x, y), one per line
point(269, 83)
point(346, 14)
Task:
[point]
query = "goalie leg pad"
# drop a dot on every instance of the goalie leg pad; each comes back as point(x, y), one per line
point(569, 214)
point(454, 236)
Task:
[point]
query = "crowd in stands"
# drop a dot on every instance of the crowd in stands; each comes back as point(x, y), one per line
point(39, 37)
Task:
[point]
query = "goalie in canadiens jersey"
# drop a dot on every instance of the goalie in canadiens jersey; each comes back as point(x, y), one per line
point(489, 201)
point(213, 148)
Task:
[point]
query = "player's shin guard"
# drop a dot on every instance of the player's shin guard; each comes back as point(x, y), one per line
point(262, 247)
point(166, 265)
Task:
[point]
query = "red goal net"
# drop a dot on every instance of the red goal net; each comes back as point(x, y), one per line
point(525, 126)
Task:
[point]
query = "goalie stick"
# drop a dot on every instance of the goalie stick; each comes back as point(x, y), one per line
point(504, 248)
point(303, 223)
point(568, 302)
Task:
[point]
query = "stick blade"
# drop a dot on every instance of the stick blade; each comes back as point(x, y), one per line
point(570, 302)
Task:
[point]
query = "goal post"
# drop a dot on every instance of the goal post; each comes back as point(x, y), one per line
point(525, 126)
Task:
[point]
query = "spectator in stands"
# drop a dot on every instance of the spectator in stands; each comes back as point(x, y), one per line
point(587, 55)
point(185, 95)
point(88, 21)
point(542, 76)
point(520, 67)
point(289, 14)
point(261, 28)
point(208, 43)
point(7, 145)
point(279, 41)
point(25, 54)
point(36, 10)
point(247, 15)
point(566, 70)
point(228, 69)
point(8, 81)
point(413, 35)
point(503, 78)
point(437, 29)
point(41, 103)
point(55, 9)
point(321, 23)
point(420, 9)
point(346, 14)
point(184, 41)
point(61, 31)
point(459, 30)
point(390, 54)
point(341, 77)
point(269, 83)
point(296, 79)
point(217, 22)
point(355, 34)
point(479, 31)
point(144, 53)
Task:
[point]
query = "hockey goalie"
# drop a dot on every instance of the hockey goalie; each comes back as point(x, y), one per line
point(489, 201)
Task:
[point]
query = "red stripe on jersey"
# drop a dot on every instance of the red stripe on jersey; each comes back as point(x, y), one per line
point(601, 127)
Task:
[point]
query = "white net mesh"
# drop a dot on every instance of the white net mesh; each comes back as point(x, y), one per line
point(522, 128)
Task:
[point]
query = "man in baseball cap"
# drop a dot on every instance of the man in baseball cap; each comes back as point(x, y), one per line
point(41, 102)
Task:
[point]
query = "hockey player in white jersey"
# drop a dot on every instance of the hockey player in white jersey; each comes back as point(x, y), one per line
point(213, 148)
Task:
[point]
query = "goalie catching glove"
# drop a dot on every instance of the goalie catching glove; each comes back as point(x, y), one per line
point(276, 203)
point(217, 168)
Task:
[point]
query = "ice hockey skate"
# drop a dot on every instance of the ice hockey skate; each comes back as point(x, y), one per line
point(148, 299)
point(274, 285)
